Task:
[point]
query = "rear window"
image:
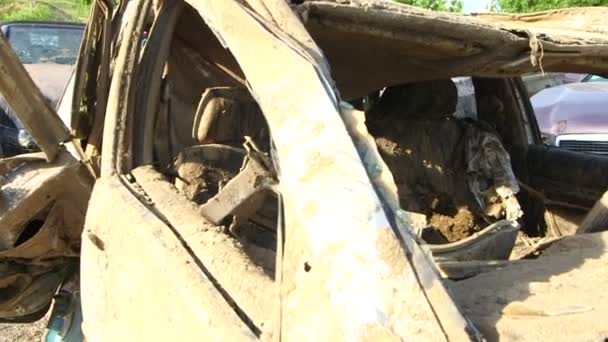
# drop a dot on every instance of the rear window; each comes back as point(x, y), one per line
point(45, 44)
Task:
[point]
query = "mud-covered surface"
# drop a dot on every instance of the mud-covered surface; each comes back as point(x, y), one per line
point(201, 182)
point(229, 260)
point(30, 332)
point(557, 297)
point(203, 170)
point(455, 172)
point(457, 227)
point(455, 38)
point(431, 177)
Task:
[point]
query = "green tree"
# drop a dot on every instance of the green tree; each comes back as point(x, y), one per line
point(436, 5)
point(520, 6)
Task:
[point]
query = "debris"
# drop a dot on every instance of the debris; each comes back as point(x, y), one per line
point(456, 227)
point(520, 309)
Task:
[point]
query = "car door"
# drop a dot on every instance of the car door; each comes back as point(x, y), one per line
point(43, 200)
point(569, 183)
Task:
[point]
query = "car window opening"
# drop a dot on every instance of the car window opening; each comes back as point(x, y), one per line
point(210, 137)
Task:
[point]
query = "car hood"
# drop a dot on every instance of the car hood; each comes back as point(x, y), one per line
point(51, 78)
point(572, 108)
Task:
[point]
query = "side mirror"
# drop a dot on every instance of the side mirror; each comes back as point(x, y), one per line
point(26, 141)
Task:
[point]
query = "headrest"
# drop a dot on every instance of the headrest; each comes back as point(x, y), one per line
point(225, 115)
point(432, 99)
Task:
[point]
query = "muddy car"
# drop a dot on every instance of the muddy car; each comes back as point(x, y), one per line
point(301, 175)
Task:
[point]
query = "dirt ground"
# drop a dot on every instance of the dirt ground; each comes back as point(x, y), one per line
point(558, 297)
point(23, 332)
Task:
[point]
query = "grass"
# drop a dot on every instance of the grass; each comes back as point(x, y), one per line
point(51, 10)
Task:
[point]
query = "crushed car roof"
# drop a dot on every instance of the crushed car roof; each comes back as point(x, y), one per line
point(371, 43)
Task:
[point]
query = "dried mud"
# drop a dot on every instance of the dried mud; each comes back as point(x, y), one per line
point(23, 332)
point(456, 227)
point(201, 182)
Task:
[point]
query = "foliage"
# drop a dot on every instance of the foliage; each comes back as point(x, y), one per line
point(541, 5)
point(51, 10)
point(436, 5)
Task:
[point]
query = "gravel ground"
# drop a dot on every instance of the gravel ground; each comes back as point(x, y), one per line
point(23, 332)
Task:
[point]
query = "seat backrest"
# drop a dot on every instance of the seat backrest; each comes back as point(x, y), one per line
point(423, 146)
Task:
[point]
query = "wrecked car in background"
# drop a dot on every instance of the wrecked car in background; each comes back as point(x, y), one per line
point(48, 50)
point(317, 189)
point(574, 116)
point(39, 42)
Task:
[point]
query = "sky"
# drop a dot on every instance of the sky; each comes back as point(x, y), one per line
point(474, 5)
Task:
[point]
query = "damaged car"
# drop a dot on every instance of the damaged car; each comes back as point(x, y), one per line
point(304, 175)
point(48, 51)
point(573, 116)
